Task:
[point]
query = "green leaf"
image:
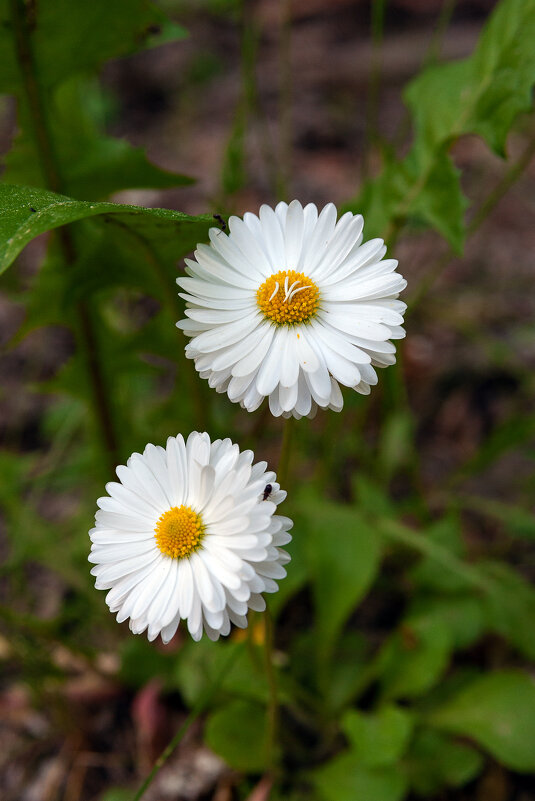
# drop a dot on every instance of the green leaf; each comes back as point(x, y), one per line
point(91, 164)
point(29, 212)
point(69, 38)
point(482, 94)
point(439, 201)
point(424, 187)
point(108, 259)
point(436, 760)
point(201, 663)
point(343, 552)
point(116, 794)
point(517, 521)
point(429, 572)
point(238, 733)
point(372, 498)
point(296, 578)
point(510, 607)
point(348, 671)
point(414, 658)
point(463, 617)
point(498, 712)
point(112, 165)
point(410, 538)
point(378, 739)
point(344, 778)
point(395, 445)
point(141, 662)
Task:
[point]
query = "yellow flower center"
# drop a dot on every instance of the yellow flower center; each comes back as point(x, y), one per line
point(288, 297)
point(179, 532)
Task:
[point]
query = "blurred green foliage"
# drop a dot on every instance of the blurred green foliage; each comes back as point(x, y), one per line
point(369, 710)
point(481, 95)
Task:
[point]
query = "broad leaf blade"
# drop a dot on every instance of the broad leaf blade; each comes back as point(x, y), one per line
point(482, 94)
point(344, 778)
point(92, 165)
point(497, 711)
point(29, 212)
point(238, 733)
point(378, 739)
point(414, 658)
point(344, 554)
point(436, 759)
point(69, 38)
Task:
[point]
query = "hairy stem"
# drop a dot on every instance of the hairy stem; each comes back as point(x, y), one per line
point(273, 701)
point(269, 638)
point(45, 149)
point(284, 457)
point(36, 105)
point(199, 707)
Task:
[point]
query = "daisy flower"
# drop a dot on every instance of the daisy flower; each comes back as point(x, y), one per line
point(289, 305)
point(189, 533)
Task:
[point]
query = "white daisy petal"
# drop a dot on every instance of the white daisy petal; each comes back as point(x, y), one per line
point(129, 499)
point(310, 214)
point(227, 247)
point(348, 230)
point(191, 534)
point(185, 588)
point(289, 305)
point(176, 463)
point(268, 375)
point(227, 334)
point(293, 234)
point(169, 631)
point(218, 267)
point(288, 397)
point(272, 236)
point(251, 249)
point(244, 356)
point(305, 352)
point(146, 479)
point(315, 247)
point(201, 288)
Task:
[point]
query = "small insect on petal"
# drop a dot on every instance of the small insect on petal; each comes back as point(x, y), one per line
point(167, 545)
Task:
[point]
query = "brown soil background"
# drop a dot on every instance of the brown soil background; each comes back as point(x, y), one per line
point(179, 102)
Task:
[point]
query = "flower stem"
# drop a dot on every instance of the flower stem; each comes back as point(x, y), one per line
point(269, 637)
point(46, 154)
point(36, 106)
point(198, 708)
point(272, 721)
point(284, 457)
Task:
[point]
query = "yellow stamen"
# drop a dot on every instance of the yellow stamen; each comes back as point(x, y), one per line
point(288, 298)
point(179, 532)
